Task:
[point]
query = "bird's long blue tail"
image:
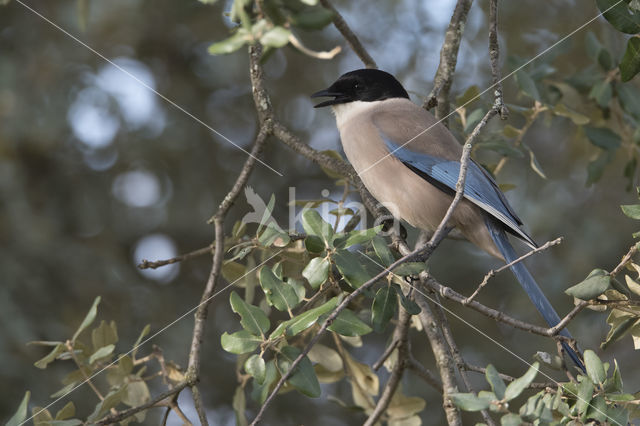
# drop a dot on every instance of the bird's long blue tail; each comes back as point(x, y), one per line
point(529, 284)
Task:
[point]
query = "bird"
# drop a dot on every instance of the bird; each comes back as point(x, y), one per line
point(410, 162)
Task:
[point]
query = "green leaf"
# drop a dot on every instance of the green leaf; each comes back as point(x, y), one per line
point(240, 342)
point(409, 305)
point(304, 378)
point(469, 401)
point(101, 353)
point(620, 15)
point(384, 307)
point(21, 414)
point(231, 44)
point(631, 210)
point(272, 235)
point(605, 60)
point(279, 293)
point(312, 19)
point(239, 404)
point(595, 169)
point(143, 333)
point(602, 92)
point(111, 399)
point(314, 244)
point(261, 390)
point(595, 369)
point(497, 384)
point(348, 324)
point(305, 320)
point(298, 287)
point(69, 410)
point(578, 119)
point(630, 63)
point(527, 85)
point(382, 250)
point(276, 37)
point(515, 388)
point(618, 415)
point(313, 224)
point(629, 97)
point(584, 394)
point(88, 319)
point(593, 46)
point(317, 271)
point(42, 363)
point(351, 268)
point(409, 268)
point(593, 286)
point(105, 334)
point(256, 368)
point(471, 94)
point(535, 166)
point(510, 419)
point(501, 147)
point(252, 318)
point(473, 119)
point(621, 324)
point(137, 392)
point(603, 137)
point(208, 1)
point(360, 237)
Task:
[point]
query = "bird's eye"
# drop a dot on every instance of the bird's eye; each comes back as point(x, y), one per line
point(356, 86)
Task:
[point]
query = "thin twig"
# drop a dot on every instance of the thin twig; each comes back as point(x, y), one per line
point(493, 272)
point(425, 374)
point(318, 55)
point(197, 402)
point(146, 264)
point(534, 385)
point(386, 354)
point(553, 331)
point(349, 36)
point(263, 107)
point(444, 362)
point(113, 418)
point(400, 336)
point(455, 352)
point(443, 79)
point(625, 260)
point(450, 294)
point(494, 54)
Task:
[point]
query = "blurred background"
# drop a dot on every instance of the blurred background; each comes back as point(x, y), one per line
point(97, 173)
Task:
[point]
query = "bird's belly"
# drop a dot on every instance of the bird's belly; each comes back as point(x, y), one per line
point(406, 195)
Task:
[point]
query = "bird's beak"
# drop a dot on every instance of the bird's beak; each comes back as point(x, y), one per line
point(338, 98)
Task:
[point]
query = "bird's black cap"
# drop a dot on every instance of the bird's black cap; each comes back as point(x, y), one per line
point(365, 85)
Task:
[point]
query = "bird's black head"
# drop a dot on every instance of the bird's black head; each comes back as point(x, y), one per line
point(365, 85)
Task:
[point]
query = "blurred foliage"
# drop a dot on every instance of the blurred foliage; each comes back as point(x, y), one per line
point(604, 110)
point(124, 383)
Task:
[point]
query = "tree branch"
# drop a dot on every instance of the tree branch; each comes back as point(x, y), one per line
point(444, 362)
point(455, 352)
point(494, 54)
point(400, 336)
point(113, 418)
point(146, 264)
point(443, 79)
point(492, 273)
point(349, 36)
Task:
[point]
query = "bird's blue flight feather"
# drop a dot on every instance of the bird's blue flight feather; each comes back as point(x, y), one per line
point(482, 190)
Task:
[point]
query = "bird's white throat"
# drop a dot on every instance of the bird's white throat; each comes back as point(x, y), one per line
point(345, 112)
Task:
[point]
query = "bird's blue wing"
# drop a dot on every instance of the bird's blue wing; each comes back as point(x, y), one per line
point(479, 187)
